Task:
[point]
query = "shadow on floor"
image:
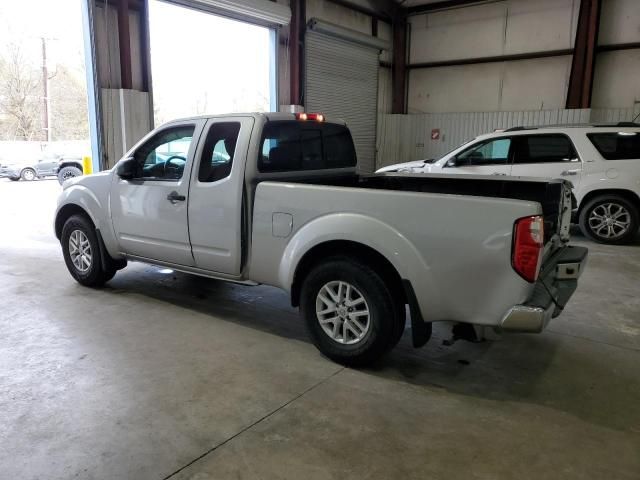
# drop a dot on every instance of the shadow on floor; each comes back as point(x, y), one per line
point(567, 374)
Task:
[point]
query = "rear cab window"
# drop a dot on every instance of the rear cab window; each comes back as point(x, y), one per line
point(617, 145)
point(298, 145)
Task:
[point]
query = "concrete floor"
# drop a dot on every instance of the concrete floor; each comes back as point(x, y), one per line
point(169, 376)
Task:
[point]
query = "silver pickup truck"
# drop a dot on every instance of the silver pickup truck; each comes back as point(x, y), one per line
point(276, 199)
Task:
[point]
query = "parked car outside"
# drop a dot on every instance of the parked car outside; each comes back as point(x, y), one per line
point(48, 166)
point(601, 161)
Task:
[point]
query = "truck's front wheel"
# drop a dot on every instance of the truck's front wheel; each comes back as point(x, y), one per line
point(81, 251)
point(350, 312)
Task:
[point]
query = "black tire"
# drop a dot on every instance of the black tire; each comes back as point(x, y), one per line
point(14, 179)
point(598, 205)
point(28, 174)
point(95, 275)
point(386, 318)
point(66, 173)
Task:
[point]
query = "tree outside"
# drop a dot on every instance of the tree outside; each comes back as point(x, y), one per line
point(42, 77)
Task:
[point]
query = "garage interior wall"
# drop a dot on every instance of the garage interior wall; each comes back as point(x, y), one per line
point(349, 18)
point(454, 62)
point(486, 31)
point(458, 84)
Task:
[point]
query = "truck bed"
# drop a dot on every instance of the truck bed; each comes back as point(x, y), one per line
point(547, 192)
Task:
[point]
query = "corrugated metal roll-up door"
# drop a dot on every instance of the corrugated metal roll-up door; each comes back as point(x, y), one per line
point(341, 81)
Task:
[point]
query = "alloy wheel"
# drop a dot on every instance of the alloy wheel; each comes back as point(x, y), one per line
point(609, 220)
point(342, 312)
point(80, 251)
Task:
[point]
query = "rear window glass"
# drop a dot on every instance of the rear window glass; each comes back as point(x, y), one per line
point(295, 145)
point(617, 145)
point(544, 149)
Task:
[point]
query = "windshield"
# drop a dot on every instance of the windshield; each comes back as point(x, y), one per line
point(466, 142)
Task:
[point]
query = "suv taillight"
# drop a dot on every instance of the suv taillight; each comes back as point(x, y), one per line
point(528, 241)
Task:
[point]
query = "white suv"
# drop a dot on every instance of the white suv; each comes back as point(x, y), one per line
point(602, 162)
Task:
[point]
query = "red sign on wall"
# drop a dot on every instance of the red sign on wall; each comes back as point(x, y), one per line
point(435, 134)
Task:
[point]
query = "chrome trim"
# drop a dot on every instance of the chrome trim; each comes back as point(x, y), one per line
point(522, 318)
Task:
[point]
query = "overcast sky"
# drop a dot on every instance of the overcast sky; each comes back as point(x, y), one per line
point(25, 21)
point(206, 64)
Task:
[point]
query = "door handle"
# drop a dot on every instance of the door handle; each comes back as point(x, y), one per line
point(498, 173)
point(566, 173)
point(174, 197)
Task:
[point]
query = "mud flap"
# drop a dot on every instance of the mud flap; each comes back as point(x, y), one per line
point(420, 330)
point(105, 258)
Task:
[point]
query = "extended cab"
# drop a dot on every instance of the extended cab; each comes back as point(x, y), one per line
point(276, 199)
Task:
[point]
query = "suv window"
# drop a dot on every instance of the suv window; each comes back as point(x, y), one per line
point(218, 151)
point(164, 156)
point(617, 145)
point(491, 152)
point(295, 145)
point(543, 149)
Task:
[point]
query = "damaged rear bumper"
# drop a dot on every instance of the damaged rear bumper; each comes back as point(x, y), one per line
point(556, 283)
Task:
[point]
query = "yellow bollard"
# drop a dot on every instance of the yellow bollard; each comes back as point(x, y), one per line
point(87, 166)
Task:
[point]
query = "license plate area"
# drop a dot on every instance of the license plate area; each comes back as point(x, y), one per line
point(568, 271)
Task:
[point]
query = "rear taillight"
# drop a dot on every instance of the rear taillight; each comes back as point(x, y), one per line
point(528, 241)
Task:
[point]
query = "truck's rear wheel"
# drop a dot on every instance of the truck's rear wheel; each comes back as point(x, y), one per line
point(81, 251)
point(609, 219)
point(350, 312)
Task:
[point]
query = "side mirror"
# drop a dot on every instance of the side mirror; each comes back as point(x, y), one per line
point(126, 168)
point(452, 162)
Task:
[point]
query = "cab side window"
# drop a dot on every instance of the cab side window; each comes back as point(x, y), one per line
point(492, 152)
point(218, 152)
point(164, 156)
point(553, 148)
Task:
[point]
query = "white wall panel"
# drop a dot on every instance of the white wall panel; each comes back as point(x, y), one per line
point(619, 22)
point(617, 79)
point(125, 115)
point(386, 33)
point(476, 31)
point(135, 33)
point(535, 84)
point(107, 46)
point(492, 29)
point(384, 90)
point(540, 25)
point(465, 88)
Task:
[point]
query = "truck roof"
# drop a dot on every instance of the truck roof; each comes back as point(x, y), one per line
point(269, 116)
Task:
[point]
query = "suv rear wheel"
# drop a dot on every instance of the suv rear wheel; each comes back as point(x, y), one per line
point(609, 219)
point(351, 314)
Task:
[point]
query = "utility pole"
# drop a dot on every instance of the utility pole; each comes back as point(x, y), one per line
point(45, 85)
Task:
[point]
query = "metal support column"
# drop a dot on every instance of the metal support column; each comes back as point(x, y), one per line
point(93, 87)
point(584, 55)
point(399, 67)
point(296, 42)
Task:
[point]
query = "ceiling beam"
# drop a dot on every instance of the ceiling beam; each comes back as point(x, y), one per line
point(442, 5)
point(384, 10)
